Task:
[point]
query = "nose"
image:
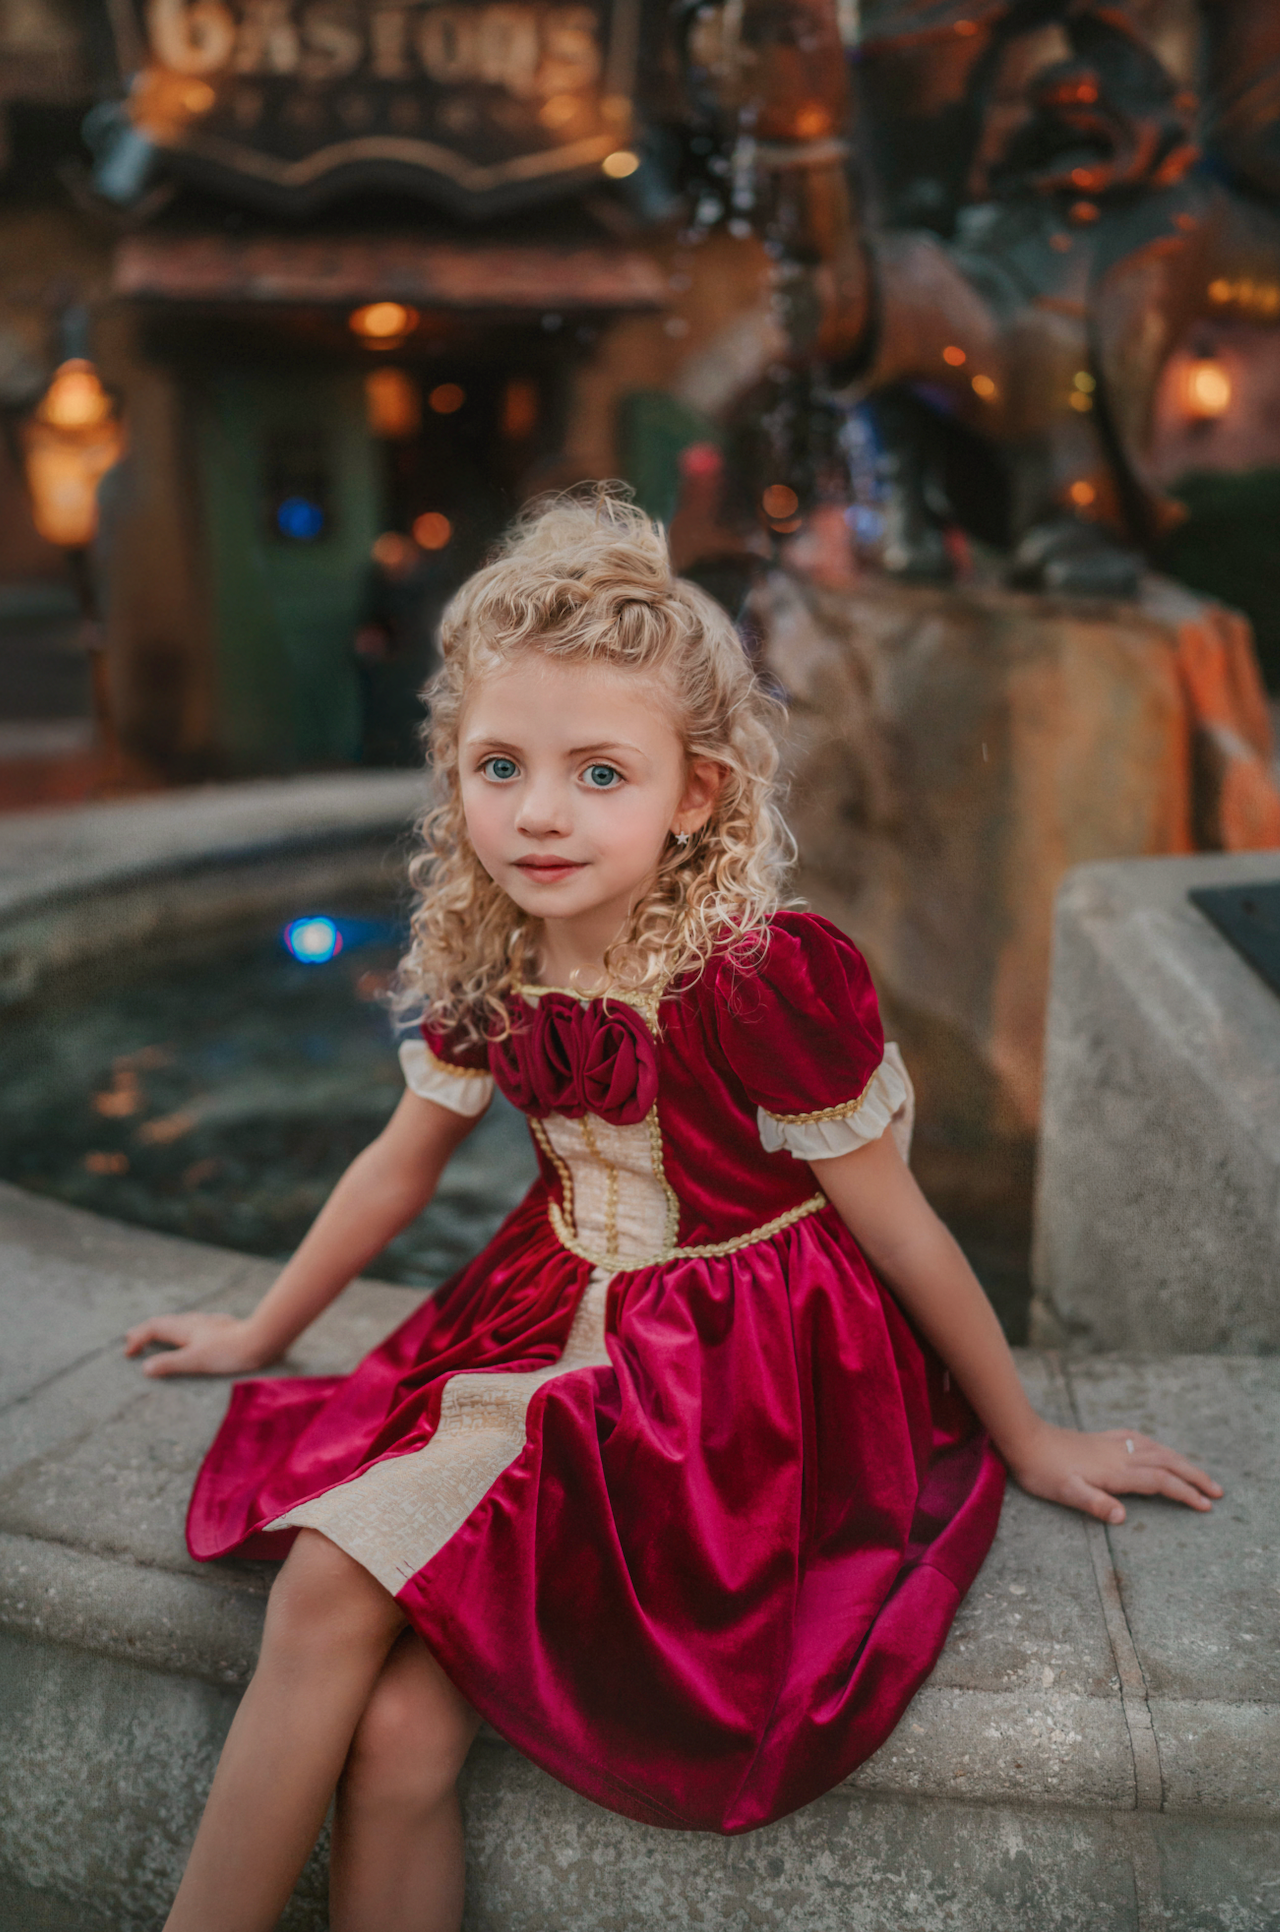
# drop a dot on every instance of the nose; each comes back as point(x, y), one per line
point(544, 810)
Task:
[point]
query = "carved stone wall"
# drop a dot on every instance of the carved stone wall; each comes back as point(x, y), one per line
point(952, 753)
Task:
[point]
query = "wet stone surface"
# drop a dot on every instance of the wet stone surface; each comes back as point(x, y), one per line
point(218, 1093)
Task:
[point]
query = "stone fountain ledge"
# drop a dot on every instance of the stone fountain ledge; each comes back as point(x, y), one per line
point(76, 881)
point(1099, 1746)
point(1098, 1749)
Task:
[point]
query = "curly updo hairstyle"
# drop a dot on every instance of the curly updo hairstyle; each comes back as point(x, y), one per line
point(586, 578)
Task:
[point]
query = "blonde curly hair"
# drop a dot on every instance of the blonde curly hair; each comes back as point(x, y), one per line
point(586, 578)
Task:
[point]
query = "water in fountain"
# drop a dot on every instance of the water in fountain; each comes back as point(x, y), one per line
point(218, 1092)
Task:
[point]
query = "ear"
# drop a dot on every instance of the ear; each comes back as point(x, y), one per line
point(704, 783)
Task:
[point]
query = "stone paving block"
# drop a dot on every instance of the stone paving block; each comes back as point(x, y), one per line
point(1201, 1592)
point(1211, 1876)
point(85, 1280)
point(122, 1485)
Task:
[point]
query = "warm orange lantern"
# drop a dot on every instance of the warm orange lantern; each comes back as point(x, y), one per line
point(1206, 389)
point(383, 325)
point(70, 443)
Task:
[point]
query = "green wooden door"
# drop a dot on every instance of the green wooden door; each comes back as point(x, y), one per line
point(292, 503)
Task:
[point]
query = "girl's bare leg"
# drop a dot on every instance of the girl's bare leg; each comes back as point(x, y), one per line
point(328, 1630)
point(396, 1863)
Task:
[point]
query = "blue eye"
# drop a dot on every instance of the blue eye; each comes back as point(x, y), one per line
point(500, 768)
point(602, 777)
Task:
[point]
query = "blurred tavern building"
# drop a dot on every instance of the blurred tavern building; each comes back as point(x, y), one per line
point(357, 279)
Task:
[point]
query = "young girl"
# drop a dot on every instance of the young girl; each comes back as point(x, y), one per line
point(680, 1482)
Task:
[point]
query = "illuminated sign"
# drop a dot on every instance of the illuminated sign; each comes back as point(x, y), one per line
point(476, 103)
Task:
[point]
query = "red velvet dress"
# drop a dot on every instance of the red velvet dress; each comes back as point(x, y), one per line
point(664, 1478)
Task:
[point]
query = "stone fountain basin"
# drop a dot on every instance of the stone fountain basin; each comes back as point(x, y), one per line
point(1098, 1747)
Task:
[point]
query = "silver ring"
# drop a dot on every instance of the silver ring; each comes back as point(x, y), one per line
point(1128, 1443)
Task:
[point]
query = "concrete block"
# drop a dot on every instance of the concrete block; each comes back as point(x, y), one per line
point(543, 1861)
point(102, 1780)
point(1158, 1197)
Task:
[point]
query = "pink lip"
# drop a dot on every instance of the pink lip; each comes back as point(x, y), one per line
point(549, 868)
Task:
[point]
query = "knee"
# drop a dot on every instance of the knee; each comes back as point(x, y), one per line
point(410, 1743)
point(324, 1598)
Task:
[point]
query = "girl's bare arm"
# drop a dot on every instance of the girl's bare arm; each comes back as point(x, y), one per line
point(384, 1188)
point(877, 1198)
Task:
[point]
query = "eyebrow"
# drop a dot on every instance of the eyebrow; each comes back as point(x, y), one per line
point(574, 751)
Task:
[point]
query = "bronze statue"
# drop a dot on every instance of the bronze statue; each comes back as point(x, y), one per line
point(998, 230)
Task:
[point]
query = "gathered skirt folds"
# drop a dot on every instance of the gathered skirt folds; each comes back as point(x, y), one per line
point(689, 1536)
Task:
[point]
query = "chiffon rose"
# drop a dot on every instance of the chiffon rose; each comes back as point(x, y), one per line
point(577, 1058)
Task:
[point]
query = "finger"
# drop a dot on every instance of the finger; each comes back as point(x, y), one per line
point(175, 1361)
point(1082, 1494)
point(1163, 1482)
point(137, 1338)
point(1189, 1472)
point(1154, 1455)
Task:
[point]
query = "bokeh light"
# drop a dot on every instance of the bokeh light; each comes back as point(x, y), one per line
point(383, 322)
point(75, 399)
point(1208, 389)
point(447, 397)
point(519, 408)
point(393, 550)
point(393, 403)
point(779, 501)
point(313, 941)
point(432, 530)
point(299, 518)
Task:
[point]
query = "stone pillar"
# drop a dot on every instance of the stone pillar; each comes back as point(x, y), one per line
point(1158, 1195)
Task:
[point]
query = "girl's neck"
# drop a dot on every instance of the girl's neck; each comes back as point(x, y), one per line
point(563, 960)
point(571, 952)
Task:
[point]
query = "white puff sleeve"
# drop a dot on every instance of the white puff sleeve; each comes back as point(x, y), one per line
point(463, 1090)
point(888, 1100)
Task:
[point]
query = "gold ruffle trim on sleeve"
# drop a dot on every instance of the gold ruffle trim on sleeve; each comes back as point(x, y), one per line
point(458, 1073)
point(842, 1112)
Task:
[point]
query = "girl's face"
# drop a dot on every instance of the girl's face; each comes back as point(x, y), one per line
point(572, 777)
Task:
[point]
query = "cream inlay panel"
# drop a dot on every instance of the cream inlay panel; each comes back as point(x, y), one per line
point(401, 1513)
point(619, 1205)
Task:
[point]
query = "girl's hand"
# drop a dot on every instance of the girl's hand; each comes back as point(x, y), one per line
point(1089, 1471)
point(198, 1345)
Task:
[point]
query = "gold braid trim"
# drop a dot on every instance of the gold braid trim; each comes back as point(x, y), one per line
point(543, 1138)
point(706, 1251)
point(842, 1112)
point(458, 1073)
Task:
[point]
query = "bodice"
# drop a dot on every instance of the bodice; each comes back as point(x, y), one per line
point(681, 1123)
